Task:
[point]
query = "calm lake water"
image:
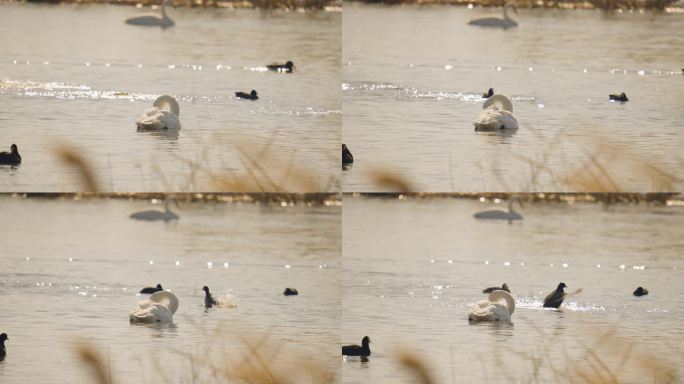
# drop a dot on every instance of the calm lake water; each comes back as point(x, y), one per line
point(412, 269)
point(79, 75)
point(413, 80)
point(71, 270)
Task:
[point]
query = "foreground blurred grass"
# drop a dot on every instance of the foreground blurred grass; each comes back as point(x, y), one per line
point(259, 360)
point(264, 169)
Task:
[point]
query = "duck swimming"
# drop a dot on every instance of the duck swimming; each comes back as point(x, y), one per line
point(555, 298)
point(356, 350)
point(504, 287)
point(152, 289)
point(3, 351)
point(163, 117)
point(290, 292)
point(347, 157)
point(497, 115)
point(160, 307)
point(641, 291)
point(287, 67)
point(496, 22)
point(210, 301)
point(488, 94)
point(621, 97)
point(248, 96)
point(12, 157)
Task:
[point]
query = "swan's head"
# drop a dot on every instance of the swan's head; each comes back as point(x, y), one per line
point(499, 295)
point(14, 149)
point(561, 286)
point(365, 341)
point(168, 103)
point(3, 337)
point(253, 93)
point(499, 100)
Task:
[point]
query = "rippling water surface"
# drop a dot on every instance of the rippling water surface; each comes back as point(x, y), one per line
point(79, 75)
point(71, 271)
point(413, 80)
point(412, 269)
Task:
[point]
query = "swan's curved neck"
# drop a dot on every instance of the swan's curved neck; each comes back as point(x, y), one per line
point(500, 294)
point(505, 10)
point(163, 10)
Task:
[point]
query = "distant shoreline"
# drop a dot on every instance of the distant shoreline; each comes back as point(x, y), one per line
point(290, 5)
point(551, 4)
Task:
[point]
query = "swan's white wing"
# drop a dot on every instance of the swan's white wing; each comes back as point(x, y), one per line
point(493, 119)
point(148, 311)
point(156, 119)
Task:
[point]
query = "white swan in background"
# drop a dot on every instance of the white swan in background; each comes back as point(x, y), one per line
point(154, 215)
point(496, 22)
point(153, 20)
point(160, 307)
point(164, 116)
point(500, 214)
point(493, 309)
point(495, 118)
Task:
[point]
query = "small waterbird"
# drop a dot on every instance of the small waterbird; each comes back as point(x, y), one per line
point(555, 298)
point(152, 289)
point(221, 302)
point(641, 291)
point(290, 292)
point(504, 287)
point(356, 350)
point(488, 94)
point(287, 67)
point(621, 97)
point(10, 158)
point(248, 96)
point(347, 157)
point(3, 351)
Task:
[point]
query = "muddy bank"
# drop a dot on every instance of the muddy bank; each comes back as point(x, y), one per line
point(328, 5)
point(591, 4)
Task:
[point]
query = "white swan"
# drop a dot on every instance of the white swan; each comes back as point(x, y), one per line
point(153, 214)
point(160, 307)
point(495, 118)
point(153, 20)
point(493, 309)
point(496, 22)
point(500, 214)
point(164, 116)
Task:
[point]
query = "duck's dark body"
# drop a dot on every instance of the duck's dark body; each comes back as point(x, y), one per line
point(555, 298)
point(248, 96)
point(621, 97)
point(290, 292)
point(287, 67)
point(347, 157)
point(209, 300)
point(12, 157)
point(641, 291)
point(489, 93)
point(356, 350)
point(492, 289)
point(152, 289)
point(3, 351)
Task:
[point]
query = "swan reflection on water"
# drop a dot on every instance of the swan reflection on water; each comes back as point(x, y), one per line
point(496, 22)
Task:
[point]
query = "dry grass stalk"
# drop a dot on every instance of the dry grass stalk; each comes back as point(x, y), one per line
point(75, 160)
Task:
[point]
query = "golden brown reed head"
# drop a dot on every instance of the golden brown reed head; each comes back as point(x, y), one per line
point(73, 159)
